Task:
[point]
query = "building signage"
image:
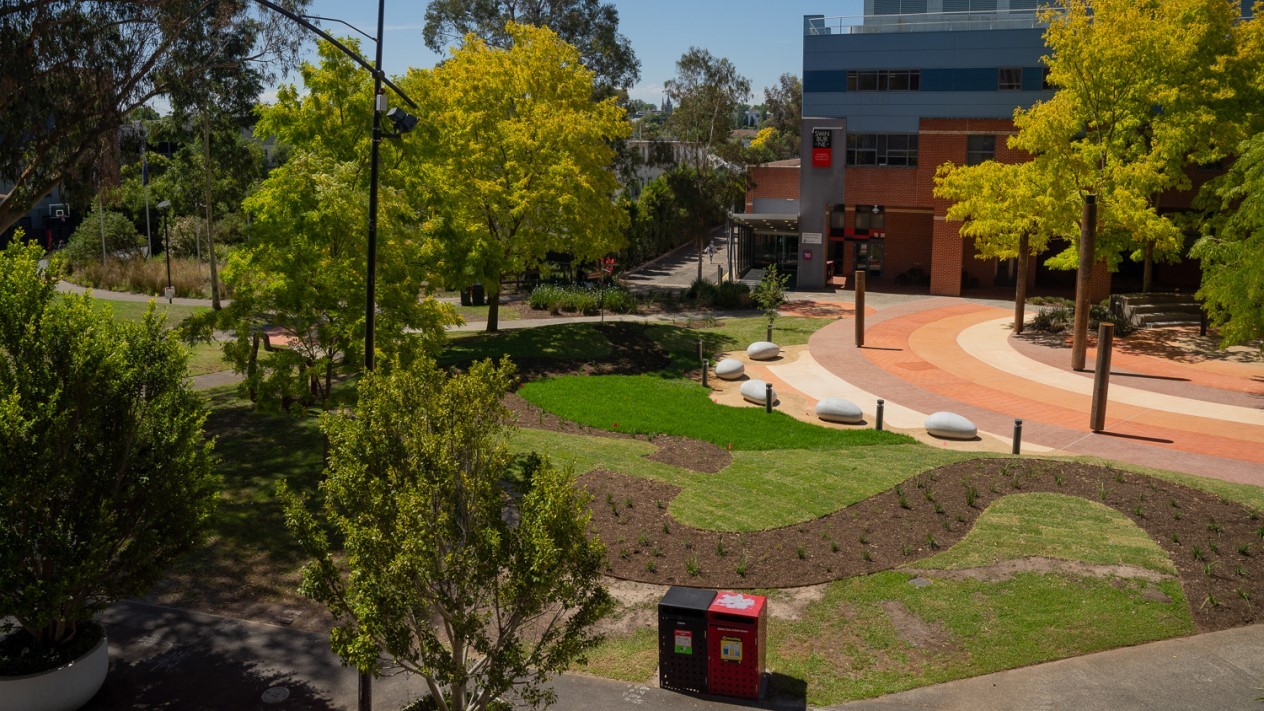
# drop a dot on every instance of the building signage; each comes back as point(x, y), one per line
point(811, 238)
point(822, 147)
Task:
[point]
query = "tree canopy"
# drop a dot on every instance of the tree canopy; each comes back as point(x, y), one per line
point(73, 71)
point(304, 271)
point(480, 593)
point(784, 104)
point(516, 160)
point(708, 91)
point(105, 471)
point(590, 25)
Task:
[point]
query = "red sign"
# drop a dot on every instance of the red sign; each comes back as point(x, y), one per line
point(822, 148)
point(807, 256)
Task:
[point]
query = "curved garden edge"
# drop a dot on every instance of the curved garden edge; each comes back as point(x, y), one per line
point(1217, 545)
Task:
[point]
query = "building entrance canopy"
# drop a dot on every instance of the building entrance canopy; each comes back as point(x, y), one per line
point(767, 223)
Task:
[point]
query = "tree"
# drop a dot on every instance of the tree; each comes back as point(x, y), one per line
point(784, 105)
point(517, 159)
point(447, 575)
point(1131, 110)
point(770, 293)
point(73, 71)
point(1010, 211)
point(707, 91)
point(589, 25)
point(121, 239)
point(105, 471)
point(304, 270)
point(1233, 253)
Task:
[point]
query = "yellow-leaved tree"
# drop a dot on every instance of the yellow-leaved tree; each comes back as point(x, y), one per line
point(516, 159)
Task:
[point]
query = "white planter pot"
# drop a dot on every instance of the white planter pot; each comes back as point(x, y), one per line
point(65, 688)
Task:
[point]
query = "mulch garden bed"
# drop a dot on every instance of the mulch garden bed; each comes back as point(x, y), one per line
point(1216, 545)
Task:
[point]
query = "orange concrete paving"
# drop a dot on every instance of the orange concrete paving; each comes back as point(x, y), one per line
point(1200, 414)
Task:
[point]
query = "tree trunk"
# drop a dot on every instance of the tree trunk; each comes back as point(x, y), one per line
point(252, 365)
point(493, 309)
point(210, 236)
point(1020, 282)
point(700, 241)
point(1084, 281)
point(1147, 274)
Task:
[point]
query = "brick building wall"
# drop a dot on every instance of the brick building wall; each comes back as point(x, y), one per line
point(774, 180)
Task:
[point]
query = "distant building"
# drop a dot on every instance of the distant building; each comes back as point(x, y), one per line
point(887, 98)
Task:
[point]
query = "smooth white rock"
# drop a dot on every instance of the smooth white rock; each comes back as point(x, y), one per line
point(836, 409)
point(763, 350)
point(730, 369)
point(950, 425)
point(755, 391)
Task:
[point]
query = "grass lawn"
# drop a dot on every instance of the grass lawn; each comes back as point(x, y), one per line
point(478, 314)
point(877, 634)
point(573, 341)
point(653, 405)
point(135, 310)
point(206, 358)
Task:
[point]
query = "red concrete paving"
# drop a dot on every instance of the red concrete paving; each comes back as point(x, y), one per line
point(911, 357)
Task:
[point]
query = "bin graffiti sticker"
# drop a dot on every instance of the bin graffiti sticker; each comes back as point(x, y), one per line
point(731, 649)
point(684, 642)
point(736, 601)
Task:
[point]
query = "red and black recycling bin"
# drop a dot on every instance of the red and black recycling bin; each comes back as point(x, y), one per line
point(737, 635)
point(682, 639)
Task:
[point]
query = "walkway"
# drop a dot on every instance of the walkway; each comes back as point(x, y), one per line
point(1202, 416)
point(679, 268)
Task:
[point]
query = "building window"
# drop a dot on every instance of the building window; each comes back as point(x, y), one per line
point(1011, 79)
point(969, 5)
point(884, 80)
point(870, 217)
point(882, 149)
point(980, 149)
point(899, 7)
point(1021, 5)
point(1044, 79)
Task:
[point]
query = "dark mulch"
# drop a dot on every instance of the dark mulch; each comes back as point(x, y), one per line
point(677, 451)
point(633, 352)
point(1224, 585)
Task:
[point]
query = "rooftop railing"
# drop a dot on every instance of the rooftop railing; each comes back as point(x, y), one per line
point(924, 22)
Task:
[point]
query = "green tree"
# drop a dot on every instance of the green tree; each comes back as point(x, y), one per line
point(121, 239)
point(708, 91)
point(770, 293)
point(517, 159)
point(479, 593)
point(589, 25)
point(1232, 253)
point(1010, 211)
point(105, 471)
point(1131, 110)
point(784, 104)
point(92, 63)
point(303, 272)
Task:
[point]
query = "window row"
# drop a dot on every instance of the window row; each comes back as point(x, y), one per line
point(882, 149)
point(884, 80)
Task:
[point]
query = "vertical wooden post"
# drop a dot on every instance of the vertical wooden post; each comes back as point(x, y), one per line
point(1101, 377)
point(860, 307)
point(1084, 281)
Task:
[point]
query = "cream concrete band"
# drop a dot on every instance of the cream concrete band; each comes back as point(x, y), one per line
point(989, 343)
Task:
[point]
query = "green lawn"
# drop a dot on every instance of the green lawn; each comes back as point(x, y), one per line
point(1053, 526)
point(135, 310)
point(207, 358)
point(654, 405)
point(877, 634)
point(478, 314)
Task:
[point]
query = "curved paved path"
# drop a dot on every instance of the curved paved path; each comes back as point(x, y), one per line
point(1169, 408)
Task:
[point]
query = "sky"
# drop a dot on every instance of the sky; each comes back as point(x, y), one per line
point(763, 38)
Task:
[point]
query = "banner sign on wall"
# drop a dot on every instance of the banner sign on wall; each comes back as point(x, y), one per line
point(822, 147)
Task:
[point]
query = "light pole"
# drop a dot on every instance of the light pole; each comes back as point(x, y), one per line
point(165, 207)
point(403, 122)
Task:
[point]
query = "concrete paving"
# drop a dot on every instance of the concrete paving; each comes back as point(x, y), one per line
point(679, 268)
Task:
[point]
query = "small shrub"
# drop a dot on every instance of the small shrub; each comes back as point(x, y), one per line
point(801, 552)
point(972, 495)
point(719, 549)
point(1245, 550)
point(643, 540)
point(656, 551)
point(650, 567)
point(692, 567)
point(930, 541)
point(868, 557)
point(1198, 554)
point(864, 539)
point(1176, 538)
point(666, 528)
point(833, 546)
point(741, 567)
point(905, 550)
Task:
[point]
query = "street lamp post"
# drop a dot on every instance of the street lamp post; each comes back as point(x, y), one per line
point(165, 208)
point(403, 122)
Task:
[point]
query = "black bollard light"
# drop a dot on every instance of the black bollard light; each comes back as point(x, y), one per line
point(1018, 437)
point(768, 397)
point(706, 363)
point(878, 424)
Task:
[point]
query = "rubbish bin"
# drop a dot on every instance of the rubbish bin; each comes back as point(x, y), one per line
point(737, 635)
point(477, 296)
point(682, 639)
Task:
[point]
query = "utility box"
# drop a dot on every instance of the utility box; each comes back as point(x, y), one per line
point(737, 638)
point(682, 639)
